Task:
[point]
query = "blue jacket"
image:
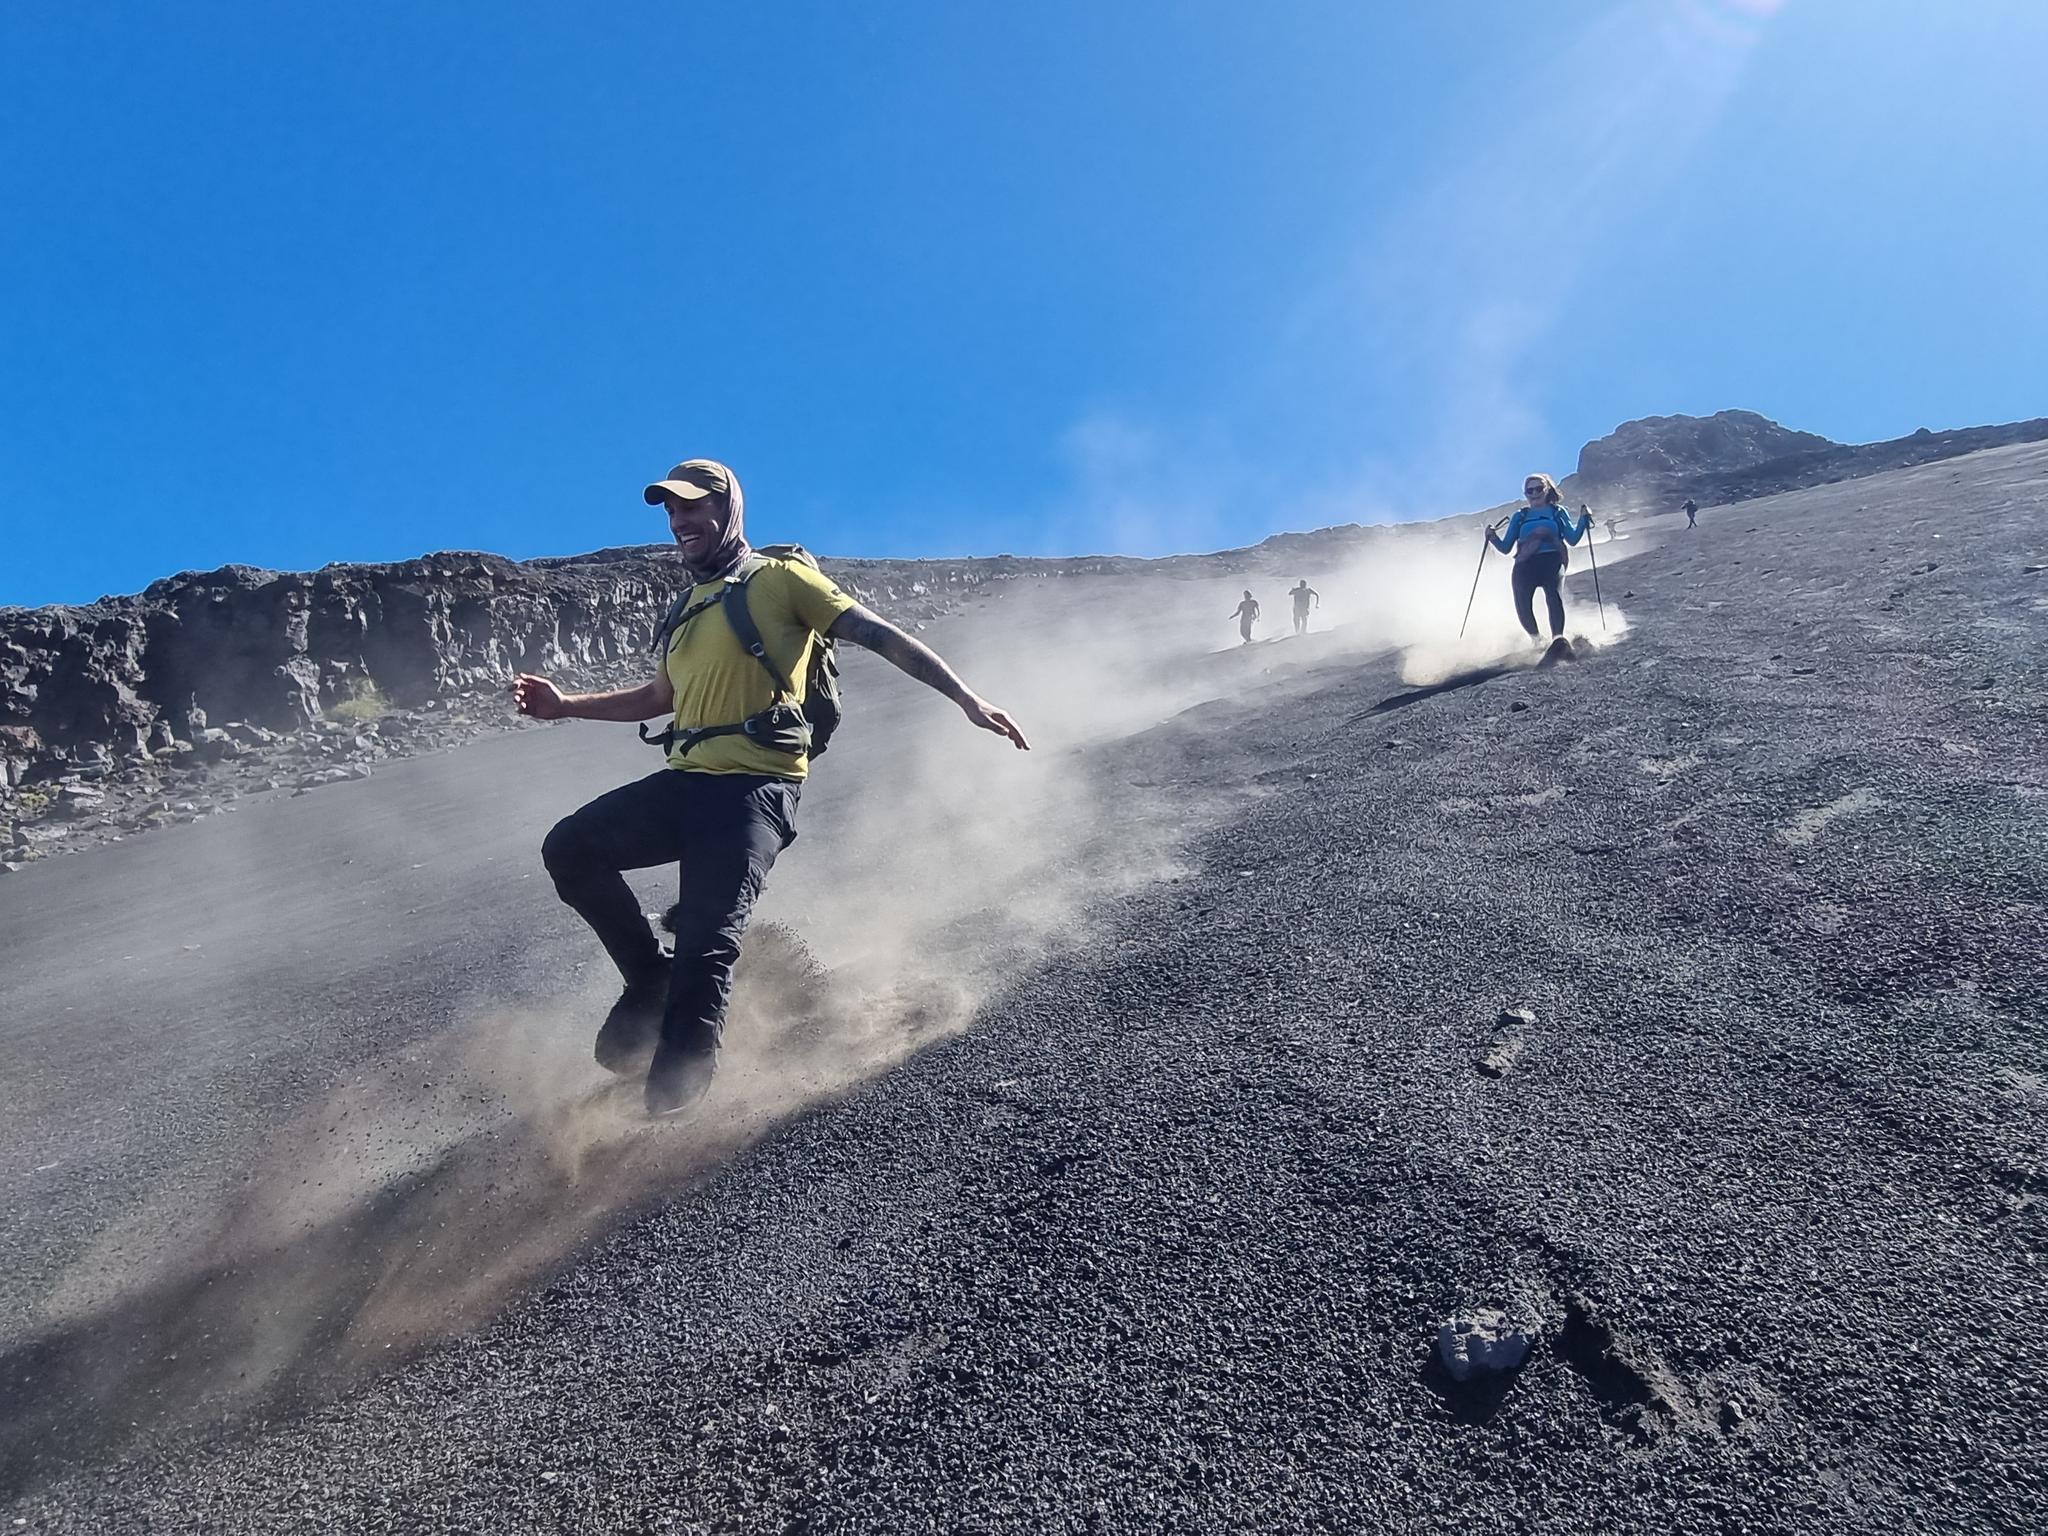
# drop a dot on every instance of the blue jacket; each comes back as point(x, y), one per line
point(1539, 531)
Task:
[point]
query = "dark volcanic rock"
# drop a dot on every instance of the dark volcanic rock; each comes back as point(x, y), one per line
point(1676, 449)
point(112, 686)
point(275, 650)
point(1510, 1029)
point(1659, 461)
point(1487, 1342)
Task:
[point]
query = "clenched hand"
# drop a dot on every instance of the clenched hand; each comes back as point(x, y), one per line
point(538, 697)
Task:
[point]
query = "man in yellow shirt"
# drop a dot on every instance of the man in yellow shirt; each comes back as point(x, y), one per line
point(726, 804)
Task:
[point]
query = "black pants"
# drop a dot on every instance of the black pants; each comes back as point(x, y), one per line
point(1547, 572)
point(725, 829)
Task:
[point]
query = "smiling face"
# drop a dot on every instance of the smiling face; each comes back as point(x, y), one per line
point(697, 524)
point(1536, 491)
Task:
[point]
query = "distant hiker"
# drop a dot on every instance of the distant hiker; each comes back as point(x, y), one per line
point(739, 745)
point(1303, 595)
point(1692, 513)
point(1247, 615)
point(1537, 534)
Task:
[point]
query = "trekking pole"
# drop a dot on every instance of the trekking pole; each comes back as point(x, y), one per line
point(1483, 542)
point(1596, 583)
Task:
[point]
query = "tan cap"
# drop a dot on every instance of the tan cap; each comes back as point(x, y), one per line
point(692, 480)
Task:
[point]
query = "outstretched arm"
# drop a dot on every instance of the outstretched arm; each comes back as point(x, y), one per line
point(912, 657)
point(538, 697)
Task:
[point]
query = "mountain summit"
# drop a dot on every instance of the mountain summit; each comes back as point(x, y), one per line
point(1656, 462)
point(1671, 447)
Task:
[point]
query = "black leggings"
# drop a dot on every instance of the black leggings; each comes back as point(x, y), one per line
point(725, 829)
point(1545, 571)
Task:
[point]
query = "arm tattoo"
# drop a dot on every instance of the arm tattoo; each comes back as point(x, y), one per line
point(907, 654)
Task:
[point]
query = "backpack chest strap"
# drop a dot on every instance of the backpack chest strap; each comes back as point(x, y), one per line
point(782, 726)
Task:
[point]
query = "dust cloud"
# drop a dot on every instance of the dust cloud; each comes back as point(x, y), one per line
point(936, 865)
point(1434, 570)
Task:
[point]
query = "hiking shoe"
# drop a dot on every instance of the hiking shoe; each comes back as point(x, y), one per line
point(678, 1079)
point(631, 1031)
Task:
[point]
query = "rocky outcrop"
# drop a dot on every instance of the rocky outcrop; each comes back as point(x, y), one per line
point(1656, 463)
point(1851, 461)
point(1660, 451)
point(130, 677)
point(202, 661)
point(172, 703)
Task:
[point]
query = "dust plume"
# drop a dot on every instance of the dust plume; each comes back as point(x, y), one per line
point(1409, 589)
point(437, 1176)
point(440, 1171)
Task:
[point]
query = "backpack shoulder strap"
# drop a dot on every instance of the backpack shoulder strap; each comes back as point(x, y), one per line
point(677, 611)
point(734, 601)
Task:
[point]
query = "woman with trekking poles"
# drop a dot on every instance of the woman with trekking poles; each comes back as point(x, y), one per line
point(1537, 535)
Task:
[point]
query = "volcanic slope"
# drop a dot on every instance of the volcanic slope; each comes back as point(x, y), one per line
point(1162, 1240)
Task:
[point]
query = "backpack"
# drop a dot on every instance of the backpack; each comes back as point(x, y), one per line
point(1558, 519)
point(784, 726)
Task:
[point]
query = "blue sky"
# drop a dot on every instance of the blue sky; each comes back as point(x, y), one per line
point(293, 284)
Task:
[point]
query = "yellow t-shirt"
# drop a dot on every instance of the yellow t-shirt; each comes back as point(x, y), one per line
point(718, 683)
